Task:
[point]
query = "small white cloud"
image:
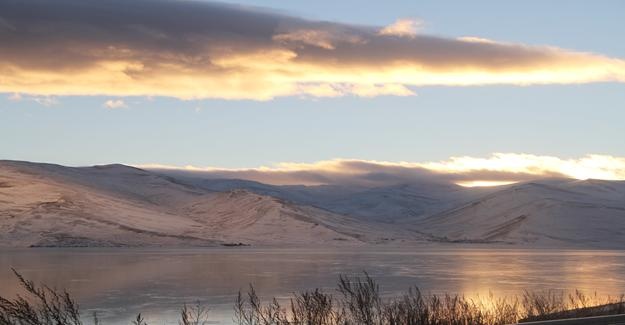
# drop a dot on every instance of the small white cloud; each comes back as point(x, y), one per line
point(403, 27)
point(367, 90)
point(46, 101)
point(15, 97)
point(114, 104)
point(361, 90)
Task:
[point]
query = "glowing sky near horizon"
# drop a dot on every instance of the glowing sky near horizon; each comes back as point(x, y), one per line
point(261, 83)
point(497, 169)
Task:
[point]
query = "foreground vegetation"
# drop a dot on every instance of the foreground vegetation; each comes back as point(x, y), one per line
point(357, 301)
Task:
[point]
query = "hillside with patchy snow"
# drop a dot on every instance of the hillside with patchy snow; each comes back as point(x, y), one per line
point(116, 205)
point(551, 213)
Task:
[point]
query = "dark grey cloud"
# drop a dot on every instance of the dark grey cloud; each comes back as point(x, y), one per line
point(192, 49)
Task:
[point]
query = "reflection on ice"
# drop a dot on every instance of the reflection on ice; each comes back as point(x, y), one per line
point(157, 282)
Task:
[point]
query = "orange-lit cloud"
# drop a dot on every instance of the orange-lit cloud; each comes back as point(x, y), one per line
point(484, 183)
point(72, 47)
point(588, 167)
point(499, 169)
point(402, 27)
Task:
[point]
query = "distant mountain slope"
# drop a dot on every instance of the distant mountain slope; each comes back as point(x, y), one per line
point(258, 219)
point(116, 205)
point(402, 203)
point(565, 213)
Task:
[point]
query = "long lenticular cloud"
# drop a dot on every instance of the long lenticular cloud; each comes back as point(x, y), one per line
point(188, 50)
point(499, 168)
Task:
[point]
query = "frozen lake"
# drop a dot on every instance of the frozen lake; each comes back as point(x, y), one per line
point(119, 283)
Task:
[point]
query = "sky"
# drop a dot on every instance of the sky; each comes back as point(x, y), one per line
point(238, 85)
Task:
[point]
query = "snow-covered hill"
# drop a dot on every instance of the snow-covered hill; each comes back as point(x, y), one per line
point(549, 213)
point(402, 203)
point(116, 205)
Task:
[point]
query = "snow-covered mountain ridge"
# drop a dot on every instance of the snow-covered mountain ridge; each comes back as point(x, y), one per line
point(117, 205)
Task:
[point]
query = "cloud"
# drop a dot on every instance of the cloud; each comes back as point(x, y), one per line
point(361, 90)
point(46, 101)
point(114, 103)
point(484, 183)
point(591, 166)
point(498, 169)
point(403, 27)
point(324, 39)
point(41, 100)
point(143, 48)
point(473, 39)
point(15, 97)
point(6, 25)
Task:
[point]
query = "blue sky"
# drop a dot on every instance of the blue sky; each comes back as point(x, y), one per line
point(439, 122)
